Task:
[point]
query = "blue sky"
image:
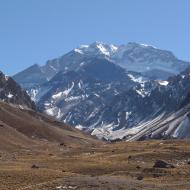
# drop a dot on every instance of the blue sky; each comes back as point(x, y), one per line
point(33, 31)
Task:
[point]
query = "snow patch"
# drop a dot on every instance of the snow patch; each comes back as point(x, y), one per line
point(80, 127)
point(97, 95)
point(73, 98)
point(53, 68)
point(103, 50)
point(147, 45)
point(10, 95)
point(6, 77)
point(82, 63)
point(163, 83)
point(64, 93)
point(127, 114)
point(136, 79)
point(78, 51)
point(51, 111)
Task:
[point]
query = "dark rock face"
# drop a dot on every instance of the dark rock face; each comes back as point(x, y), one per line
point(162, 164)
point(79, 94)
point(11, 92)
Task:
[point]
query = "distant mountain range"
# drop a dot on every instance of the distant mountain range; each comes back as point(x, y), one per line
point(113, 92)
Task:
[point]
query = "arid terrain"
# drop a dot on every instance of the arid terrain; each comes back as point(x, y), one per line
point(39, 153)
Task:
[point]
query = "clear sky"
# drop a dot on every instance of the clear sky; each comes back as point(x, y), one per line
point(33, 31)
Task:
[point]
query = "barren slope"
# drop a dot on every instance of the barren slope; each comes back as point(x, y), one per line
point(24, 128)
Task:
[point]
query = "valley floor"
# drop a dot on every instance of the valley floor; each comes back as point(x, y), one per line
point(121, 165)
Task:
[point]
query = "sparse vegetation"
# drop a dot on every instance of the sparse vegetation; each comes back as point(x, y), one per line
point(104, 169)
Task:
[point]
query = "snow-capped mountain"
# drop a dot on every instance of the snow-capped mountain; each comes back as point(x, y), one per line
point(11, 92)
point(109, 90)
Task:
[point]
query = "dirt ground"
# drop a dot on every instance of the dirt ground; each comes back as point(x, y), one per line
point(106, 166)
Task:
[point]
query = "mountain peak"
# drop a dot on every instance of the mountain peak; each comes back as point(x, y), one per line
point(97, 48)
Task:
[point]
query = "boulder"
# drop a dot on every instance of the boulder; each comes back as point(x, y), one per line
point(34, 166)
point(162, 164)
